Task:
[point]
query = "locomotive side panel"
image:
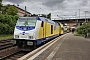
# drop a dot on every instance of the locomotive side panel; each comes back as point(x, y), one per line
point(40, 33)
point(48, 30)
point(56, 29)
point(62, 29)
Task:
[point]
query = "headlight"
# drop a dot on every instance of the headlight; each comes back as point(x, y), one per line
point(16, 36)
point(31, 37)
point(29, 43)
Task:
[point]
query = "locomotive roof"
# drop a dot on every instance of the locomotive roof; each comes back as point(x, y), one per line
point(46, 20)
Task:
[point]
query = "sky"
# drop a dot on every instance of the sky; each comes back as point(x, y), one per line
point(59, 9)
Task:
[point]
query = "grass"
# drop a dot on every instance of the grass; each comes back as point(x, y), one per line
point(76, 34)
point(4, 37)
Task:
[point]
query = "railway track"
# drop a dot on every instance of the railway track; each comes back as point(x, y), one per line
point(7, 52)
point(15, 56)
point(5, 44)
point(12, 53)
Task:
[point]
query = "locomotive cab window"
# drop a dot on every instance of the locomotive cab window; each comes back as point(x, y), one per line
point(26, 21)
point(51, 29)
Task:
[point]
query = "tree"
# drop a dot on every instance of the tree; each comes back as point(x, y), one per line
point(49, 16)
point(84, 28)
point(8, 18)
point(7, 23)
point(0, 1)
point(34, 15)
point(4, 8)
point(44, 15)
point(12, 10)
point(0, 4)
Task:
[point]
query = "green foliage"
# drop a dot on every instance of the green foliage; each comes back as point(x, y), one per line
point(8, 18)
point(1, 18)
point(84, 28)
point(49, 16)
point(3, 10)
point(76, 34)
point(0, 1)
point(88, 27)
point(12, 10)
point(9, 9)
point(7, 23)
point(0, 4)
point(34, 15)
point(44, 15)
point(4, 37)
point(4, 28)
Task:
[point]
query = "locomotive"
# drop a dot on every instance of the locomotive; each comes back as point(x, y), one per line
point(33, 31)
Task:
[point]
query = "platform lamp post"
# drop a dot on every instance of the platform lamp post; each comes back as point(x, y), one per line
point(25, 12)
point(85, 16)
point(86, 22)
point(79, 13)
point(76, 19)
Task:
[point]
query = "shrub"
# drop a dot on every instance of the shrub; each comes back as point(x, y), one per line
point(7, 24)
point(84, 28)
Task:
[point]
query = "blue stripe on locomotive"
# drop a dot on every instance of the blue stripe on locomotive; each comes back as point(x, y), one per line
point(39, 41)
point(25, 28)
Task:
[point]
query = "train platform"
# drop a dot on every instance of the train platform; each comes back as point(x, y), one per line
point(69, 47)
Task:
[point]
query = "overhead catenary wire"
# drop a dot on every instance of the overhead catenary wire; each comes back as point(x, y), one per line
point(38, 6)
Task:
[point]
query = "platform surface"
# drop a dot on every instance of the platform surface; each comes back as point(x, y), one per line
point(69, 47)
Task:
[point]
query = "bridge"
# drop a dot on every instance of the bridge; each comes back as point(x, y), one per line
point(73, 22)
